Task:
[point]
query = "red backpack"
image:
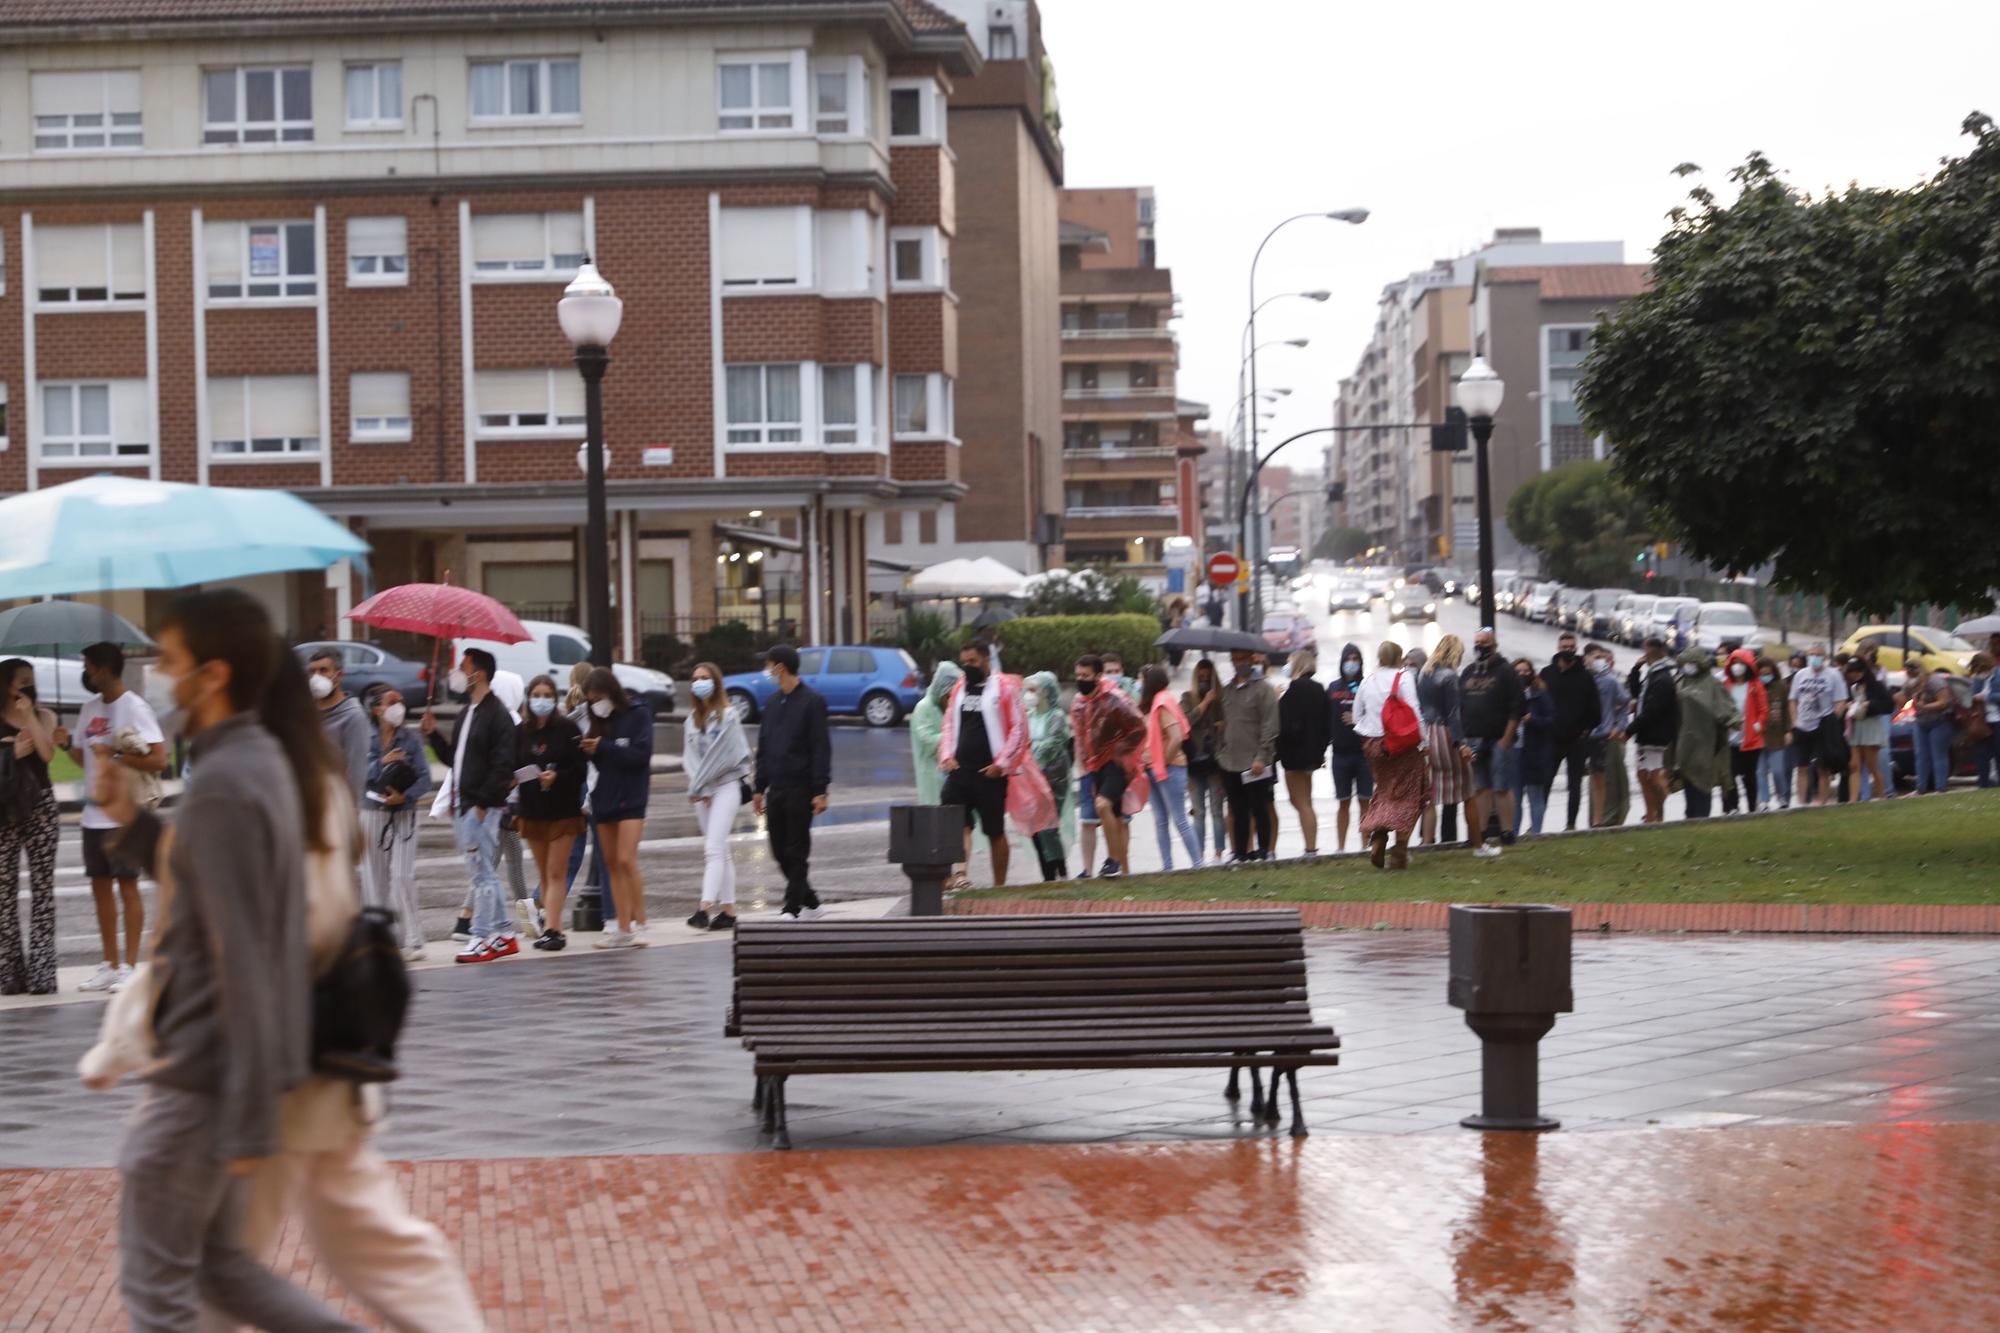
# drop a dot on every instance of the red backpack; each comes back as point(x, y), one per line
point(1400, 732)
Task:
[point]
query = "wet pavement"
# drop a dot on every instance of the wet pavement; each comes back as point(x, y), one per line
point(1823, 1228)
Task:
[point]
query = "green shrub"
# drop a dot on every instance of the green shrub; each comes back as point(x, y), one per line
point(1053, 643)
point(666, 652)
point(927, 636)
point(732, 646)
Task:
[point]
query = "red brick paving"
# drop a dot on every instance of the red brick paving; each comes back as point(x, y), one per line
point(1618, 918)
point(1828, 1228)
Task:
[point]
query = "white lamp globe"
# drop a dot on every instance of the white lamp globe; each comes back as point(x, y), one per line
point(1479, 390)
point(590, 310)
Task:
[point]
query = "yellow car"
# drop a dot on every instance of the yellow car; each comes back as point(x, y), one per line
point(1940, 650)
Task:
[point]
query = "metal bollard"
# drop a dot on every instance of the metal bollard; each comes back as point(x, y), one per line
point(927, 841)
point(1510, 973)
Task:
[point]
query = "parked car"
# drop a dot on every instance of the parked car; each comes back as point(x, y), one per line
point(1721, 627)
point(1539, 605)
point(1628, 614)
point(1941, 650)
point(1903, 739)
point(59, 682)
point(1563, 614)
point(1673, 618)
point(1510, 593)
point(1286, 632)
point(1347, 597)
point(365, 665)
point(552, 648)
point(1413, 603)
point(877, 684)
point(1596, 613)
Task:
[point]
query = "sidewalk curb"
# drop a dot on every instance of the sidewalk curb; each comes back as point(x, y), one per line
point(1605, 918)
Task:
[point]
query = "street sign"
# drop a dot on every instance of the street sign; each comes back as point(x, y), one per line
point(1223, 567)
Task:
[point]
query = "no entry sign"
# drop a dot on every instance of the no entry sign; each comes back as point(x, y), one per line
point(1223, 567)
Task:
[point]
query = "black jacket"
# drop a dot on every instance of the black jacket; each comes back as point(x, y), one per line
point(1574, 693)
point(489, 755)
point(557, 746)
point(792, 745)
point(1659, 718)
point(1305, 725)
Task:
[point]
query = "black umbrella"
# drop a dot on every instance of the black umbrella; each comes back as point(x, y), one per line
point(995, 615)
point(62, 629)
point(1212, 639)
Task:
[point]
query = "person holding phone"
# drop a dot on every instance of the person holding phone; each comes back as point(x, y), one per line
point(549, 786)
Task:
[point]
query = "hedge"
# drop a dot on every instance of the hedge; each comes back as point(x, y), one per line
point(1053, 643)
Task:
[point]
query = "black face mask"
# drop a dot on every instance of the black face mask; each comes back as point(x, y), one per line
point(1483, 652)
point(1566, 656)
point(1086, 687)
point(974, 675)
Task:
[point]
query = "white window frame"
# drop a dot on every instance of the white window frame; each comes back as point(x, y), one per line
point(852, 72)
point(291, 448)
point(549, 271)
point(544, 81)
point(114, 453)
point(239, 126)
point(930, 114)
point(555, 428)
point(110, 301)
point(107, 127)
point(940, 407)
point(380, 275)
point(934, 265)
point(378, 430)
point(805, 254)
point(284, 296)
point(765, 432)
point(5, 425)
point(1013, 42)
point(378, 121)
point(796, 110)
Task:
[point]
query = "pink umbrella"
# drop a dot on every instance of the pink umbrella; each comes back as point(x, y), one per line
point(443, 612)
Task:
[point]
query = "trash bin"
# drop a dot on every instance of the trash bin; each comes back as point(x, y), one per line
point(1510, 973)
point(927, 841)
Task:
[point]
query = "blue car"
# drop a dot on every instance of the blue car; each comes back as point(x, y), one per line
point(879, 685)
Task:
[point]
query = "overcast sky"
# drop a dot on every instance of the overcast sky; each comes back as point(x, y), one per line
point(1447, 119)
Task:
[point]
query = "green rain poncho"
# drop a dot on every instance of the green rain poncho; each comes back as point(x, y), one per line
point(1048, 736)
point(1701, 751)
point(927, 729)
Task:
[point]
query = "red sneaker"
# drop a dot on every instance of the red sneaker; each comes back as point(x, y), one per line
point(503, 946)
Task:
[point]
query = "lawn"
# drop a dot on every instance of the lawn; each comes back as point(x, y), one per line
point(63, 769)
point(1936, 849)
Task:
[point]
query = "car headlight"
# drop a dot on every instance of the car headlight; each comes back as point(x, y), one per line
point(1396, 609)
point(1430, 608)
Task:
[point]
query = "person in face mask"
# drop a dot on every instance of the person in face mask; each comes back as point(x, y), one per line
point(619, 743)
point(551, 800)
point(794, 770)
point(399, 777)
point(1774, 763)
point(716, 758)
point(1352, 778)
point(342, 716)
point(481, 755)
point(1112, 782)
point(1746, 734)
point(27, 734)
point(926, 726)
point(988, 764)
point(1201, 705)
point(1610, 788)
point(1492, 707)
point(1701, 746)
point(1816, 690)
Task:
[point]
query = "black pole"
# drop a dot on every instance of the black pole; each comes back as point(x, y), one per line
point(1482, 431)
point(591, 361)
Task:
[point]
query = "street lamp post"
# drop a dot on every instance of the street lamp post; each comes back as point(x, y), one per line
point(1478, 394)
point(590, 313)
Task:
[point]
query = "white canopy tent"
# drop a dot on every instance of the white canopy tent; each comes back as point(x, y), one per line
point(983, 577)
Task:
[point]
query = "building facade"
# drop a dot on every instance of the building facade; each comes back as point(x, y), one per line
point(289, 247)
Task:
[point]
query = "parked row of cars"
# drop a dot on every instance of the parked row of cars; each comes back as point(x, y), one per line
point(1624, 616)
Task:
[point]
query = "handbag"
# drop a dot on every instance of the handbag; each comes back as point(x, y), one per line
point(20, 793)
point(1401, 732)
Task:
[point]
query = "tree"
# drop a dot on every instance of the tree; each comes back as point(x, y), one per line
point(1089, 590)
point(1811, 381)
point(1583, 522)
point(1341, 544)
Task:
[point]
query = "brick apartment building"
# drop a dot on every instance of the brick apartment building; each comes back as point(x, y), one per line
point(271, 243)
point(1131, 451)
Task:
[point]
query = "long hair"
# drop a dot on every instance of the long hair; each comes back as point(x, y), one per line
point(1152, 679)
point(290, 714)
point(1450, 651)
point(704, 709)
point(578, 674)
point(603, 682)
point(528, 716)
point(10, 671)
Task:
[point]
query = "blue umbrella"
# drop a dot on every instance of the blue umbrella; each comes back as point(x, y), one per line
point(109, 532)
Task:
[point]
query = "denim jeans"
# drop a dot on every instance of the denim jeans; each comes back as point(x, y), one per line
point(1170, 803)
point(1531, 802)
point(479, 838)
point(1933, 744)
point(1774, 775)
point(1986, 760)
point(1205, 793)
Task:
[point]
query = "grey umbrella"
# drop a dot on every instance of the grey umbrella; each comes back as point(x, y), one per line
point(995, 615)
point(1212, 639)
point(1972, 629)
point(61, 629)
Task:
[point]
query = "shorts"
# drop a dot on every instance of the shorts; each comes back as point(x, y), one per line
point(1110, 782)
point(983, 797)
point(548, 830)
point(1489, 765)
point(98, 861)
point(1652, 758)
point(1086, 801)
point(1597, 753)
point(1817, 747)
point(1352, 777)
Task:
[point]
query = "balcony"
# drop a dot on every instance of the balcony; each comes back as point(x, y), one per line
point(1127, 521)
point(1145, 286)
point(1137, 403)
point(1119, 462)
point(1152, 347)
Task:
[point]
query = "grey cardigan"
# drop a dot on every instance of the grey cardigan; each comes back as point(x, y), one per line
point(715, 756)
point(1249, 725)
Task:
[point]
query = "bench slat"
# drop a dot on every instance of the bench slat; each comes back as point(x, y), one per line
point(959, 1003)
point(765, 1066)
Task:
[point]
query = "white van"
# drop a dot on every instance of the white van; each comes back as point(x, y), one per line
point(552, 649)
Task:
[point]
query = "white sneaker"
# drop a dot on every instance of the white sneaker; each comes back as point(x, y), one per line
point(125, 971)
point(611, 938)
point(1486, 849)
point(812, 914)
point(788, 916)
point(105, 978)
point(413, 954)
point(528, 917)
point(638, 935)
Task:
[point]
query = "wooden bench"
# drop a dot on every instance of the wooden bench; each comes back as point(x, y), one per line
point(1125, 991)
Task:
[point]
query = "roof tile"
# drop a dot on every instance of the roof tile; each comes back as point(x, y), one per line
point(1579, 282)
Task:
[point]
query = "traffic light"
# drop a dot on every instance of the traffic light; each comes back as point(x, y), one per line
point(1449, 436)
point(1336, 491)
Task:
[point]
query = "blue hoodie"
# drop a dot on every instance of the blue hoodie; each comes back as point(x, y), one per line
point(1341, 692)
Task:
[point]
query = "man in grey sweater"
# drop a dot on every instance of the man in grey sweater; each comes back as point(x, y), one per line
point(233, 1021)
point(1249, 749)
point(345, 720)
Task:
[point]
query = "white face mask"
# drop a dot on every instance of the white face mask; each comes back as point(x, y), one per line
point(1738, 670)
point(160, 697)
point(1599, 666)
point(1690, 669)
point(457, 682)
point(601, 708)
point(541, 705)
point(703, 688)
point(394, 714)
point(321, 686)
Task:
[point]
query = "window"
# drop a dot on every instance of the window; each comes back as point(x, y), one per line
point(532, 403)
point(107, 419)
point(927, 527)
point(1112, 317)
point(850, 662)
point(3, 416)
point(1003, 44)
point(844, 400)
point(566, 650)
point(920, 257)
point(526, 90)
point(764, 405)
point(916, 110)
point(892, 527)
point(766, 247)
point(257, 105)
point(77, 111)
point(831, 114)
point(263, 416)
point(525, 244)
point(755, 95)
point(260, 260)
point(90, 265)
point(378, 252)
point(809, 661)
point(846, 260)
point(924, 406)
point(375, 96)
point(378, 405)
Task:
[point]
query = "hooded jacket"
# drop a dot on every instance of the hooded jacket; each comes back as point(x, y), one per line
point(926, 727)
point(1658, 719)
point(1756, 711)
point(1340, 694)
point(348, 727)
point(1701, 747)
point(1574, 693)
point(1305, 725)
point(1004, 712)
